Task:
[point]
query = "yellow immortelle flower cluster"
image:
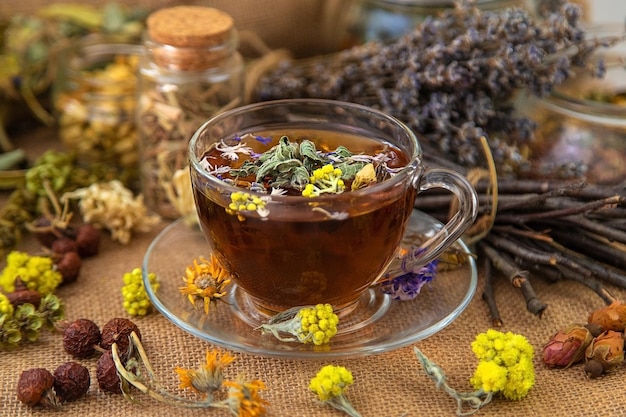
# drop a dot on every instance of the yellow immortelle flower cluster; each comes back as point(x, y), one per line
point(318, 324)
point(309, 324)
point(326, 179)
point(505, 364)
point(6, 308)
point(331, 381)
point(36, 272)
point(136, 300)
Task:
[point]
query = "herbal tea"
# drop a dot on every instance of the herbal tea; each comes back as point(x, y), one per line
point(328, 240)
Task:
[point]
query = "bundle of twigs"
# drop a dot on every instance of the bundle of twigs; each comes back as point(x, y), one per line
point(552, 230)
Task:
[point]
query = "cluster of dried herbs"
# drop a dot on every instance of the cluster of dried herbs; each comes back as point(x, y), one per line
point(452, 79)
point(548, 230)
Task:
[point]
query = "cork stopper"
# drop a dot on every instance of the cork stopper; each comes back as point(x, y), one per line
point(199, 34)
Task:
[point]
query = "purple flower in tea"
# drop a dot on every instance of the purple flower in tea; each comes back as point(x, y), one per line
point(408, 286)
point(263, 140)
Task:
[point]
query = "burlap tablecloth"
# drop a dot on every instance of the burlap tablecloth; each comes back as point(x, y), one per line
point(390, 384)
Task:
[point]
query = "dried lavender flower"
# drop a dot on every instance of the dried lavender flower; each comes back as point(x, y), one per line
point(451, 79)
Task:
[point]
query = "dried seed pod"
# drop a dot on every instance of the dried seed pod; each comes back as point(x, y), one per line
point(594, 368)
point(34, 387)
point(24, 296)
point(81, 337)
point(88, 240)
point(69, 266)
point(71, 381)
point(118, 331)
point(106, 373)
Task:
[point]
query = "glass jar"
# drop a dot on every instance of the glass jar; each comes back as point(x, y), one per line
point(581, 125)
point(191, 70)
point(94, 100)
point(387, 20)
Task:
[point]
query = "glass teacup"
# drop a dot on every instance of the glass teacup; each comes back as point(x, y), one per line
point(286, 249)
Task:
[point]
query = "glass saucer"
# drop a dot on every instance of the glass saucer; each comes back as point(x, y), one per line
point(390, 324)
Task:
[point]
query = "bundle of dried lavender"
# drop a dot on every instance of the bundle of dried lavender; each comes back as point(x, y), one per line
point(552, 230)
point(451, 79)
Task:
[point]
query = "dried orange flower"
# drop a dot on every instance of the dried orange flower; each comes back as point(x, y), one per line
point(611, 317)
point(205, 280)
point(208, 377)
point(244, 399)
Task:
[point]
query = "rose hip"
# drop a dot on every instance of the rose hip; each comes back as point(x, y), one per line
point(71, 381)
point(81, 337)
point(118, 331)
point(35, 386)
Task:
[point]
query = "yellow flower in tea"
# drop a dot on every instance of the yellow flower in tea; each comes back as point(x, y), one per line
point(240, 201)
point(205, 280)
point(208, 377)
point(244, 399)
point(326, 179)
point(315, 324)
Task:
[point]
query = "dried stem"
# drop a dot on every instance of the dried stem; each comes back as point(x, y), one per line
point(488, 292)
point(533, 304)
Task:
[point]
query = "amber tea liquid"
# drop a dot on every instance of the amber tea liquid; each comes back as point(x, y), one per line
point(301, 256)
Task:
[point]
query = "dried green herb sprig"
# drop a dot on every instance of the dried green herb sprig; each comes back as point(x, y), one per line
point(25, 322)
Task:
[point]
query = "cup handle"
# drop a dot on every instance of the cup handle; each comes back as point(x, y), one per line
point(419, 256)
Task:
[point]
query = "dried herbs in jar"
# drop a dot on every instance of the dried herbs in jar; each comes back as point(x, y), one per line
point(191, 71)
point(95, 102)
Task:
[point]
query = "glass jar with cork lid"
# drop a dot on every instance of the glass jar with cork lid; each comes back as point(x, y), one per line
point(191, 70)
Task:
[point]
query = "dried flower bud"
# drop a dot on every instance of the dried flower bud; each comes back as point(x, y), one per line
point(71, 381)
point(118, 331)
point(567, 346)
point(611, 317)
point(35, 387)
point(80, 338)
point(608, 349)
point(106, 373)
